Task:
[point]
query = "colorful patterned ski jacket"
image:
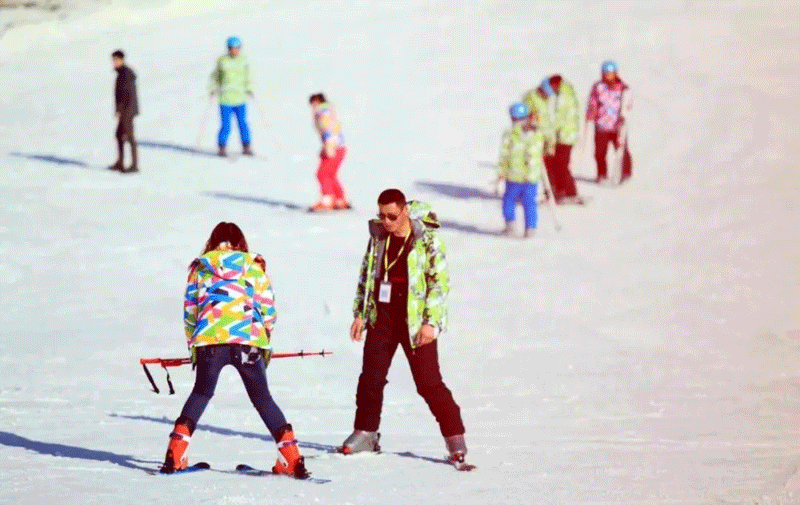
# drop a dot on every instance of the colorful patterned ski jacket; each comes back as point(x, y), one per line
point(521, 154)
point(568, 116)
point(329, 128)
point(428, 278)
point(605, 102)
point(229, 300)
point(231, 79)
point(537, 103)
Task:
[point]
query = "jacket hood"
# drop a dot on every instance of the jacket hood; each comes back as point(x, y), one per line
point(421, 214)
point(226, 264)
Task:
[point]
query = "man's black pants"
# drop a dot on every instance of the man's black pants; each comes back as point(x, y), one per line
point(125, 132)
point(381, 343)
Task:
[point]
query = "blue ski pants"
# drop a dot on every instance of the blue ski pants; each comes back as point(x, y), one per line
point(241, 118)
point(526, 193)
point(249, 362)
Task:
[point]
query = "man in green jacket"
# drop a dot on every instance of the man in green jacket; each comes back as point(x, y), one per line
point(231, 80)
point(565, 134)
point(400, 300)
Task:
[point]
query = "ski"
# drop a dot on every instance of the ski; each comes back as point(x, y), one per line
point(255, 472)
point(197, 467)
point(461, 466)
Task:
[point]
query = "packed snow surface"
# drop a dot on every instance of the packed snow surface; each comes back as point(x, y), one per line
point(646, 354)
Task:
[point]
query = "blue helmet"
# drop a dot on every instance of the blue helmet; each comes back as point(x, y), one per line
point(519, 110)
point(609, 66)
point(234, 42)
point(546, 87)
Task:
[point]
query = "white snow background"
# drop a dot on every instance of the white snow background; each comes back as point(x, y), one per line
point(647, 354)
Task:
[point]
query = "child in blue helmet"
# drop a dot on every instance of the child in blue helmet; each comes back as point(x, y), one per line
point(231, 80)
point(520, 165)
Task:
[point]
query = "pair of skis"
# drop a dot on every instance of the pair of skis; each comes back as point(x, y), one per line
point(244, 470)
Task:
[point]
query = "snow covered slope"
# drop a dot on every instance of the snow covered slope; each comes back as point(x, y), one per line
point(648, 353)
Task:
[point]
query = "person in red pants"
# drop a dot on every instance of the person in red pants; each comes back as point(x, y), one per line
point(331, 156)
point(609, 104)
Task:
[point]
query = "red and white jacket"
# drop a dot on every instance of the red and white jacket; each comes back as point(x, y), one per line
point(605, 105)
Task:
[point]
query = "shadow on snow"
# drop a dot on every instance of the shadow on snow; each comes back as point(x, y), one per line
point(467, 228)
point(56, 160)
point(70, 451)
point(176, 147)
point(253, 199)
point(330, 449)
point(457, 190)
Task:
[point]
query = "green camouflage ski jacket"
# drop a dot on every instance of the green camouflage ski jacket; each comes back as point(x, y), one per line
point(568, 117)
point(428, 279)
point(521, 154)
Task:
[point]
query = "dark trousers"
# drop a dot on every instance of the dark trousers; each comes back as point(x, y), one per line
point(561, 179)
point(601, 141)
point(125, 132)
point(381, 343)
point(249, 362)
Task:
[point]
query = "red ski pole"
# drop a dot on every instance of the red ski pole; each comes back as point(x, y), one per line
point(170, 362)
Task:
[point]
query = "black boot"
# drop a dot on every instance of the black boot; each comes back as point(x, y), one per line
point(221, 152)
point(134, 160)
point(120, 156)
point(246, 150)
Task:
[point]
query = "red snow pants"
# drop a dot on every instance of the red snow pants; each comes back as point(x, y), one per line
point(326, 173)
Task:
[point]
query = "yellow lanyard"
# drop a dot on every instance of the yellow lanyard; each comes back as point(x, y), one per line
point(386, 264)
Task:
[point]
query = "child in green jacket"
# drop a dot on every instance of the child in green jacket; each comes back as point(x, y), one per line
point(521, 163)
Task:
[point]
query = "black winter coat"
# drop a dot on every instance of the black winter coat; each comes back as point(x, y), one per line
point(125, 93)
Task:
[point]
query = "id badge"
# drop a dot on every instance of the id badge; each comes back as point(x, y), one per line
point(385, 292)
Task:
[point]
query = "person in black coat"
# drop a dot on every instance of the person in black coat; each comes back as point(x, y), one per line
point(127, 107)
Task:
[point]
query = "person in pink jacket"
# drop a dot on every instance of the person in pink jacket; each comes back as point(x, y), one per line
point(609, 102)
point(331, 156)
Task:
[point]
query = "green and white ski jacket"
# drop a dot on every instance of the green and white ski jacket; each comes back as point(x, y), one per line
point(521, 154)
point(428, 278)
point(231, 79)
point(537, 103)
point(568, 117)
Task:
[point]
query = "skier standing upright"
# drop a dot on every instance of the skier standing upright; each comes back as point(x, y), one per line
point(330, 157)
point(520, 165)
point(607, 108)
point(537, 102)
point(228, 317)
point(400, 300)
point(566, 126)
point(231, 80)
point(127, 107)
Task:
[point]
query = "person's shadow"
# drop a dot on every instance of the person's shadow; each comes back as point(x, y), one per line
point(457, 190)
point(329, 449)
point(55, 160)
point(254, 199)
point(152, 144)
point(71, 451)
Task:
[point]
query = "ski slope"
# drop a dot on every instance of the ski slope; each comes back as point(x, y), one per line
point(646, 354)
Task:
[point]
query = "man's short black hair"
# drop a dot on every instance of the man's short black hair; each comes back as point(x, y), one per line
point(118, 54)
point(317, 97)
point(392, 196)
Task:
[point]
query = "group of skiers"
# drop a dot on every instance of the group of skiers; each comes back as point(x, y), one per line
point(230, 82)
point(545, 127)
point(229, 310)
point(229, 315)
